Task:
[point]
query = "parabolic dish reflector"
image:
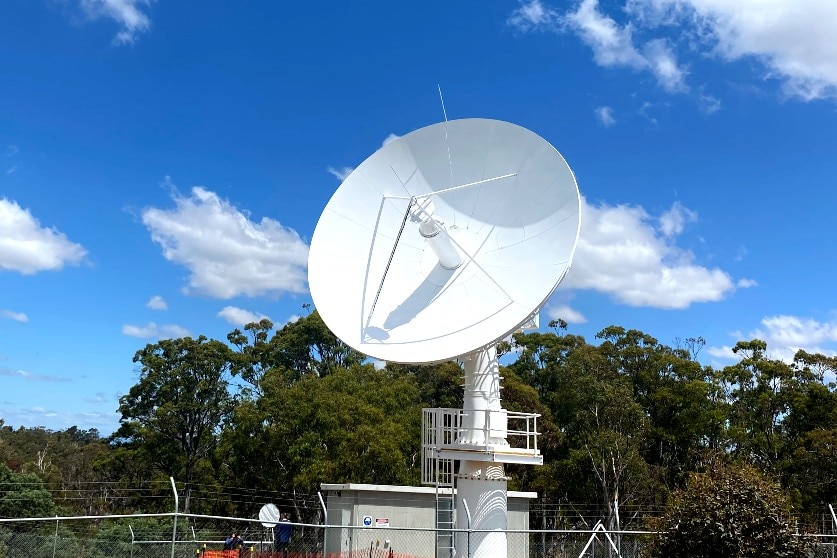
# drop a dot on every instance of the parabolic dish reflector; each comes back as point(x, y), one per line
point(269, 515)
point(509, 206)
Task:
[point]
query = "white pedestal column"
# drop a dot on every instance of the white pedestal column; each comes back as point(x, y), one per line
point(481, 500)
point(487, 503)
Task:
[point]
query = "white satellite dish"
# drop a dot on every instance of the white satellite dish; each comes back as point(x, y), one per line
point(444, 241)
point(269, 515)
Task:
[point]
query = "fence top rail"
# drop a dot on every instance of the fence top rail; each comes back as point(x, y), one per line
point(313, 525)
point(591, 531)
point(82, 517)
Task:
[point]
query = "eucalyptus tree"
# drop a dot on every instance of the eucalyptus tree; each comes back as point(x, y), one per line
point(602, 428)
point(757, 404)
point(302, 346)
point(686, 421)
point(175, 412)
point(810, 427)
point(356, 424)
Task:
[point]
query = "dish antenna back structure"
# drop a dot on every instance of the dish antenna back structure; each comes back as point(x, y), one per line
point(439, 245)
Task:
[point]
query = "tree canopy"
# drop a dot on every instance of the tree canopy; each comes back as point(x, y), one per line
point(272, 413)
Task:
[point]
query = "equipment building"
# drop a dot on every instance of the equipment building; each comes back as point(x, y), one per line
point(380, 518)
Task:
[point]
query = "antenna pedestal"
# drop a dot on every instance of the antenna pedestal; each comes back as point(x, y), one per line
point(477, 436)
point(487, 502)
point(481, 485)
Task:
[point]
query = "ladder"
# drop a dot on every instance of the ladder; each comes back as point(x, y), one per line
point(439, 472)
point(445, 508)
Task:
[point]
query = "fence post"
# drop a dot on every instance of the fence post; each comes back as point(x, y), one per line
point(176, 508)
point(325, 522)
point(55, 539)
point(468, 537)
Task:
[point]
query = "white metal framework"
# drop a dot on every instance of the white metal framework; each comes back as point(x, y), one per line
point(442, 428)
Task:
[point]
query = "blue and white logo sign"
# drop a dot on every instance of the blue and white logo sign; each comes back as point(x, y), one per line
point(367, 520)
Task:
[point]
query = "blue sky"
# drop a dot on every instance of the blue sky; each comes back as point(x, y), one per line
point(163, 165)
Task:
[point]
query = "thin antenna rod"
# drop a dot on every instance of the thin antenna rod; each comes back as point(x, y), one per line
point(443, 102)
point(447, 143)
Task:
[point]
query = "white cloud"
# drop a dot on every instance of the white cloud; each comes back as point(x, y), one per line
point(342, 173)
point(792, 38)
point(11, 153)
point(605, 116)
point(128, 14)
point(709, 104)
point(106, 423)
point(239, 316)
point(389, 139)
point(533, 16)
point(226, 253)
point(154, 331)
point(645, 111)
point(724, 352)
point(98, 397)
point(621, 253)
point(613, 46)
point(673, 221)
point(795, 333)
point(663, 64)
point(746, 283)
point(564, 312)
point(28, 376)
point(291, 319)
point(28, 248)
point(16, 316)
point(785, 335)
point(157, 302)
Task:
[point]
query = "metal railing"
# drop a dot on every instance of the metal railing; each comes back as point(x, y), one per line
point(444, 429)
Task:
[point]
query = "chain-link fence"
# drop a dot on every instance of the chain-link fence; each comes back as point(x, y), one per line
point(157, 536)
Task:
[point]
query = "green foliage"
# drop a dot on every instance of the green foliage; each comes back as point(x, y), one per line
point(23, 495)
point(39, 541)
point(603, 427)
point(623, 421)
point(729, 512)
point(114, 537)
point(175, 412)
point(439, 385)
point(352, 425)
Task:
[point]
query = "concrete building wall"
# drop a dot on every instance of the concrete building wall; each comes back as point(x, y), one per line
point(395, 515)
